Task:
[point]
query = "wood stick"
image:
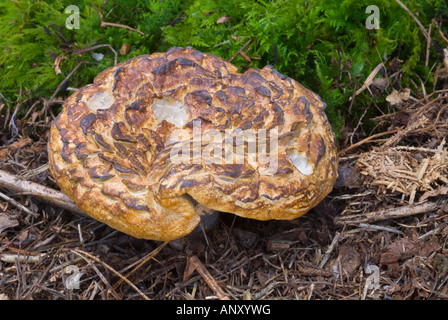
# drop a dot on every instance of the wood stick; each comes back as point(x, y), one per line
point(54, 197)
point(386, 214)
point(211, 282)
point(111, 24)
point(23, 258)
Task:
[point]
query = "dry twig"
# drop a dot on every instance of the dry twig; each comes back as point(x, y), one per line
point(211, 282)
point(392, 213)
point(369, 79)
point(428, 44)
point(77, 51)
point(140, 263)
point(64, 82)
point(18, 205)
point(415, 18)
point(90, 256)
point(368, 140)
point(329, 250)
point(57, 198)
point(111, 24)
point(241, 52)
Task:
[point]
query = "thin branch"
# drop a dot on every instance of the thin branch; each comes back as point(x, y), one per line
point(111, 24)
point(428, 45)
point(329, 250)
point(443, 36)
point(241, 52)
point(68, 77)
point(197, 264)
point(108, 267)
point(368, 139)
point(18, 205)
point(102, 277)
point(97, 47)
point(415, 18)
point(369, 79)
point(141, 262)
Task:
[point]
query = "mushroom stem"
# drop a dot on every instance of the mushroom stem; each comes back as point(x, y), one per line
point(209, 217)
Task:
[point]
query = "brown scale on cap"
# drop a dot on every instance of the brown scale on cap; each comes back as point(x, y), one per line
point(111, 149)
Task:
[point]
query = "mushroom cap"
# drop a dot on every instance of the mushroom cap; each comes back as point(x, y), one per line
point(156, 136)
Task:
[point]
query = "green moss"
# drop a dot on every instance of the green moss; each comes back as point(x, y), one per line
point(310, 41)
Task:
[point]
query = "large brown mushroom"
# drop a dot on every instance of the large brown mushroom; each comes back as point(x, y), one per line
point(158, 137)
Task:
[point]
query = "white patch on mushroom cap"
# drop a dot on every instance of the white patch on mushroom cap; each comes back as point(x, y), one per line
point(100, 100)
point(172, 111)
point(300, 162)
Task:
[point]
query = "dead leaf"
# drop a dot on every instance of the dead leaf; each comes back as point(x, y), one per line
point(247, 238)
point(402, 248)
point(396, 98)
point(349, 260)
point(222, 19)
point(262, 277)
point(189, 269)
point(7, 222)
point(34, 116)
point(429, 248)
point(125, 48)
point(57, 64)
point(12, 148)
point(434, 193)
point(380, 83)
point(388, 258)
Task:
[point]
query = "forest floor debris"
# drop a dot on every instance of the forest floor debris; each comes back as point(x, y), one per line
point(394, 219)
